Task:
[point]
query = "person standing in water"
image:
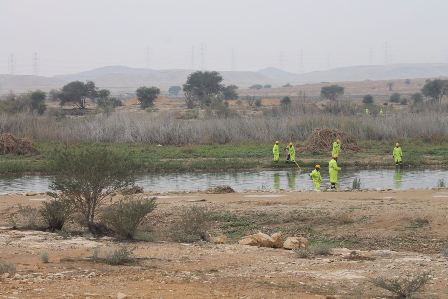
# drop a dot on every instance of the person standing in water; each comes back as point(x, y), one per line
point(316, 177)
point(333, 169)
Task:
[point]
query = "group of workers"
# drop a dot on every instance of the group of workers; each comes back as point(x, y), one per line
point(333, 167)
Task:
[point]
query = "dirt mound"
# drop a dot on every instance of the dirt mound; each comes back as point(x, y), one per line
point(321, 140)
point(9, 144)
point(220, 190)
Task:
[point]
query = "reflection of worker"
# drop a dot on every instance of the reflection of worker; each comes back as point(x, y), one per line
point(397, 153)
point(336, 148)
point(291, 176)
point(291, 153)
point(397, 178)
point(333, 169)
point(276, 152)
point(316, 177)
point(276, 181)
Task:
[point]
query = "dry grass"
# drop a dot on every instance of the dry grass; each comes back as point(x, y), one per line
point(165, 128)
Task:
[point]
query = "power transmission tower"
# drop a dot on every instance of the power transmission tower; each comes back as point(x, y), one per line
point(386, 53)
point(35, 64)
point(148, 57)
point(11, 64)
point(232, 62)
point(192, 58)
point(280, 59)
point(371, 56)
point(202, 53)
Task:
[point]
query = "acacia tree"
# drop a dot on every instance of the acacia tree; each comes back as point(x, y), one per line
point(174, 90)
point(37, 99)
point(435, 90)
point(230, 92)
point(202, 88)
point(78, 92)
point(147, 95)
point(86, 177)
point(332, 92)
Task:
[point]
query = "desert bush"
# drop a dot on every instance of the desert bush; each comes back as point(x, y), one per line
point(303, 253)
point(120, 256)
point(404, 287)
point(124, 216)
point(193, 225)
point(344, 219)
point(26, 217)
point(7, 267)
point(87, 176)
point(321, 249)
point(55, 213)
point(445, 251)
point(44, 257)
point(367, 99)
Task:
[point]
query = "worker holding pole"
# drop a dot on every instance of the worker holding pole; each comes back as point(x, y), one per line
point(336, 150)
point(276, 152)
point(333, 169)
point(316, 177)
point(291, 153)
point(397, 153)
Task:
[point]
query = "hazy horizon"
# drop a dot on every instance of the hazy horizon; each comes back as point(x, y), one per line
point(296, 36)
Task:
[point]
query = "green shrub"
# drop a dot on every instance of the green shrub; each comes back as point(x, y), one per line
point(55, 213)
point(88, 176)
point(124, 216)
point(6, 267)
point(356, 184)
point(321, 249)
point(44, 257)
point(193, 225)
point(120, 256)
point(26, 217)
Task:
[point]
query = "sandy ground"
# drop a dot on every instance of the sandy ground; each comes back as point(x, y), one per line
point(397, 233)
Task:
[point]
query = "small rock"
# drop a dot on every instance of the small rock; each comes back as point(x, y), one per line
point(259, 239)
point(31, 194)
point(295, 243)
point(278, 240)
point(121, 296)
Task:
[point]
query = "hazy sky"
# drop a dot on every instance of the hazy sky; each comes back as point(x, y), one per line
point(74, 35)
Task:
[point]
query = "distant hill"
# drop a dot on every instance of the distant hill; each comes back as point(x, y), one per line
point(127, 79)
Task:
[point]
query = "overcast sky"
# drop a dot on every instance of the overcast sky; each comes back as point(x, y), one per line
point(74, 35)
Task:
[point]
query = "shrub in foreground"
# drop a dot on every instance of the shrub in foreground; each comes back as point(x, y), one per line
point(403, 287)
point(7, 267)
point(124, 216)
point(193, 225)
point(55, 213)
point(88, 176)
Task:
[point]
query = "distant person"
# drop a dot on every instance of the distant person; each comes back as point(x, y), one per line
point(336, 150)
point(397, 153)
point(381, 112)
point(333, 169)
point(276, 152)
point(316, 177)
point(291, 153)
point(367, 111)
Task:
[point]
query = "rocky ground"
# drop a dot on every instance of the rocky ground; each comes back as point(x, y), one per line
point(369, 235)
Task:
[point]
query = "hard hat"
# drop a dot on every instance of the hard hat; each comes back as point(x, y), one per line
point(276, 142)
point(290, 144)
point(397, 144)
point(317, 166)
point(338, 140)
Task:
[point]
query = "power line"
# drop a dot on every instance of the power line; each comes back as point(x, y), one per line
point(232, 61)
point(11, 64)
point(148, 57)
point(202, 54)
point(35, 64)
point(192, 58)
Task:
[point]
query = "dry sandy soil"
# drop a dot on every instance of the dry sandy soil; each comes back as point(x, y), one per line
point(394, 233)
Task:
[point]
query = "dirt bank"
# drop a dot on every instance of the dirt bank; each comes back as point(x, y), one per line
point(399, 232)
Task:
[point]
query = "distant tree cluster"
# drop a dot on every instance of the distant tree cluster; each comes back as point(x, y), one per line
point(332, 92)
point(147, 95)
point(31, 102)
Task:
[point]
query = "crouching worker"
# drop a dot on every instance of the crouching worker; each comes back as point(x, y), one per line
point(333, 169)
point(316, 177)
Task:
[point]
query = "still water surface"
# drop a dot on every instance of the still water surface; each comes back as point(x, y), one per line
point(254, 180)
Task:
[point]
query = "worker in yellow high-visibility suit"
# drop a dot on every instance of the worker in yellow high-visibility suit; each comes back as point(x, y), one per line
point(316, 177)
point(333, 169)
point(276, 152)
point(291, 153)
point(397, 153)
point(336, 148)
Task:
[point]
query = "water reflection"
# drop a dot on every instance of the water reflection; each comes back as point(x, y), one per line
point(397, 178)
point(277, 181)
point(254, 180)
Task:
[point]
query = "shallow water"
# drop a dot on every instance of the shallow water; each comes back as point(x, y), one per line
point(254, 180)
